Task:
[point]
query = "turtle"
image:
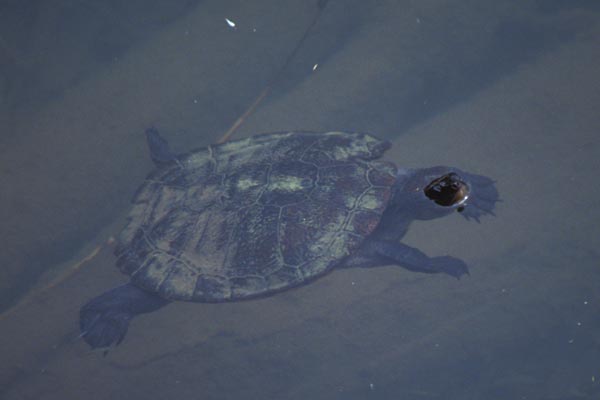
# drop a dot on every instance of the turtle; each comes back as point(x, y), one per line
point(256, 216)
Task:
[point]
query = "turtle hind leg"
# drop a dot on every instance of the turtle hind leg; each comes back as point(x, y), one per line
point(103, 330)
point(159, 147)
point(104, 320)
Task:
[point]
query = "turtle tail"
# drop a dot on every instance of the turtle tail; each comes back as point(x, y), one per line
point(104, 320)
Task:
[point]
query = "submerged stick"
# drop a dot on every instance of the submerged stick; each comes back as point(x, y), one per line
point(58, 280)
point(227, 135)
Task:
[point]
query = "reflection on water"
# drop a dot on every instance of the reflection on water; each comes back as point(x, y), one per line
point(505, 89)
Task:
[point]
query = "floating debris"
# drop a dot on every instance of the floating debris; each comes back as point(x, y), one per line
point(315, 66)
point(230, 23)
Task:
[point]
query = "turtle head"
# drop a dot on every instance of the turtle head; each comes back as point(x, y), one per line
point(440, 190)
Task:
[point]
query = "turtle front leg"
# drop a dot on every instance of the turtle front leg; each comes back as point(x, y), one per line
point(382, 252)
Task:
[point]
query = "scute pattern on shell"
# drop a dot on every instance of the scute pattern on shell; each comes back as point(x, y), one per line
point(254, 216)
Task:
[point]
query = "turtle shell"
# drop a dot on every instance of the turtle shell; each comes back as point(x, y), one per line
point(254, 216)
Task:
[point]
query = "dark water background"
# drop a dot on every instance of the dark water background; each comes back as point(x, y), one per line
point(508, 89)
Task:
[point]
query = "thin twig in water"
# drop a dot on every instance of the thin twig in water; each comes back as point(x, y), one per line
point(227, 135)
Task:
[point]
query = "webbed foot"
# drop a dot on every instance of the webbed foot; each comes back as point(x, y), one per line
point(450, 265)
point(104, 320)
point(103, 328)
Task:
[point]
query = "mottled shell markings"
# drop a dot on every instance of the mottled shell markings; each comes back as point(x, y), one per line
point(288, 183)
point(245, 183)
point(253, 216)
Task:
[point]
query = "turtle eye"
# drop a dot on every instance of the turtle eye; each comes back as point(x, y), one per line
point(448, 190)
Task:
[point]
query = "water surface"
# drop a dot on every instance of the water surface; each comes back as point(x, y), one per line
point(505, 89)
